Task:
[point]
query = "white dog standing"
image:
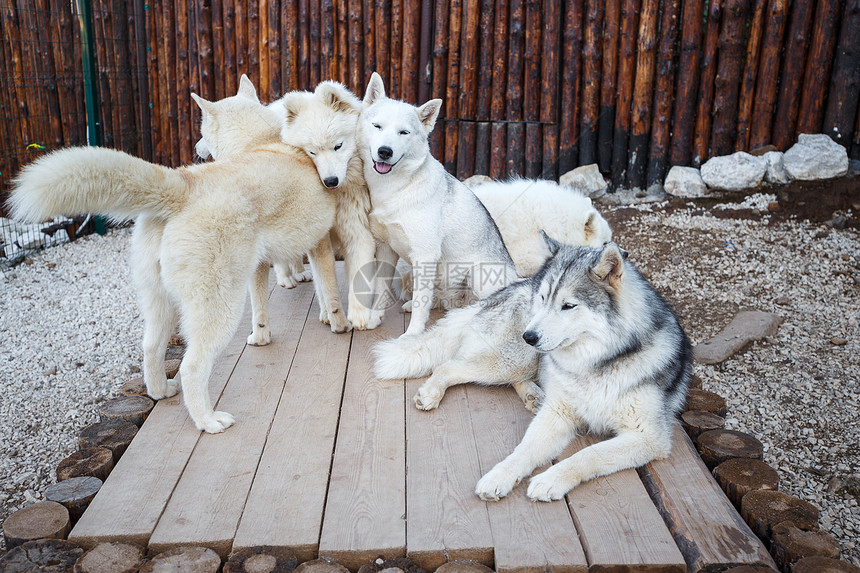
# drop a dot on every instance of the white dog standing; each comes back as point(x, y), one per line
point(422, 213)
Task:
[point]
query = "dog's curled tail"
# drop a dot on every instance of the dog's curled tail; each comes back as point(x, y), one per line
point(416, 356)
point(80, 180)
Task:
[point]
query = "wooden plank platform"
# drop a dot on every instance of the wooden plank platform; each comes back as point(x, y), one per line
point(330, 462)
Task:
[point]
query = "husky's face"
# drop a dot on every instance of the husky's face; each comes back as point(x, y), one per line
point(323, 124)
point(236, 124)
point(392, 130)
point(576, 295)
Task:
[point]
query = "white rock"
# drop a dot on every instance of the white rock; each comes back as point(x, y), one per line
point(816, 157)
point(586, 179)
point(685, 182)
point(734, 172)
point(475, 180)
point(776, 168)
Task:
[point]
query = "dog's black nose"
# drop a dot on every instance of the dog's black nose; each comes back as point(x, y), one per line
point(330, 182)
point(531, 337)
point(385, 152)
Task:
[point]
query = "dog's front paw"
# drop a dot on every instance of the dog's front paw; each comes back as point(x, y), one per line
point(376, 317)
point(164, 389)
point(304, 276)
point(427, 398)
point(533, 400)
point(215, 423)
point(550, 485)
point(496, 484)
point(339, 323)
point(407, 306)
point(359, 317)
point(286, 280)
point(260, 336)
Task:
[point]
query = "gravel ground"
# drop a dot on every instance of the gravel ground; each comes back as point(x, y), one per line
point(70, 337)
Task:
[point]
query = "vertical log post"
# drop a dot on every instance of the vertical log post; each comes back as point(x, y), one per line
point(591, 59)
point(468, 96)
point(571, 47)
point(643, 94)
point(549, 90)
point(728, 81)
point(452, 94)
point(440, 76)
point(688, 82)
point(845, 82)
point(813, 95)
point(704, 106)
point(532, 90)
point(748, 78)
point(498, 101)
point(661, 124)
point(768, 74)
point(626, 71)
point(609, 76)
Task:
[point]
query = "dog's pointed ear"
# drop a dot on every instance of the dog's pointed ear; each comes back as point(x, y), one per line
point(375, 90)
point(337, 97)
point(247, 89)
point(205, 106)
point(553, 245)
point(428, 113)
point(610, 267)
point(292, 103)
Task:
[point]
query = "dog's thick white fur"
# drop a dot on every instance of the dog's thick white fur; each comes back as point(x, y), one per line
point(200, 233)
point(522, 208)
point(608, 351)
point(323, 124)
point(423, 214)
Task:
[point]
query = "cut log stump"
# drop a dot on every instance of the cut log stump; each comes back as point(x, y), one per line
point(171, 367)
point(114, 435)
point(705, 401)
point(695, 422)
point(392, 565)
point(261, 560)
point(45, 519)
point(790, 544)
point(764, 509)
point(321, 566)
point(717, 446)
point(749, 569)
point(49, 555)
point(95, 462)
point(695, 382)
point(133, 409)
point(111, 558)
point(187, 559)
point(463, 566)
point(739, 476)
point(134, 387)
point(824, 565)
point(75, 494)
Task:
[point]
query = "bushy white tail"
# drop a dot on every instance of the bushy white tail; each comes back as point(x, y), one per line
point(416, 356)
point(81, 180)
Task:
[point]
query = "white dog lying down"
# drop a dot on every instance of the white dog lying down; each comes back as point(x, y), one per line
point(607, 349)
point(521, 209)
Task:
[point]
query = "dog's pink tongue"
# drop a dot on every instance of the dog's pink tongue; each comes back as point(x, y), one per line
point(382, 167)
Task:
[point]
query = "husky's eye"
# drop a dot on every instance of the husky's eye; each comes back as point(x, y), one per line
point(568, 306)
point(338, 146)
point(377, 126)
point(404, 132)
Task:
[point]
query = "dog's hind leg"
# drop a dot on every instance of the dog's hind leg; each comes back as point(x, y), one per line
point(322, 263)
point(159, 314)
point(261, 334)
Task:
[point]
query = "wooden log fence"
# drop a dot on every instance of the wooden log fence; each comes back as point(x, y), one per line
point(530, 87)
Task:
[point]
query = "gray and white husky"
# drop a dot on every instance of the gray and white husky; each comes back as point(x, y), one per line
point(422, 213)
point(606, 349)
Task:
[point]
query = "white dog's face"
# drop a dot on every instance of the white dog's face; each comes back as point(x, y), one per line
point(323, 125)
point(393, 130)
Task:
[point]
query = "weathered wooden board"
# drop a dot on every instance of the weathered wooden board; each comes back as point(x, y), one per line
point(366, 505)
point(528, 536)
point(210, 496)
point(706, 526)
point(446, 519)
point(617, 507)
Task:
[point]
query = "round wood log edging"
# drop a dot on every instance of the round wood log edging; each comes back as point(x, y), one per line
point(764, 509)
point(133, 409)
point(75, 494)
point(790, 544)
point(321, 566)
point(134, 387)
point(458, 566)
point(188, 559)
point(698, 399)
point(41, 520)
point(695, 422)
point(823, 565)
point(55, 555)
point(95, 462)
point(717, 446)
point(114, 435)
point(261, 559)
point(111, 558)
point(739, 476)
